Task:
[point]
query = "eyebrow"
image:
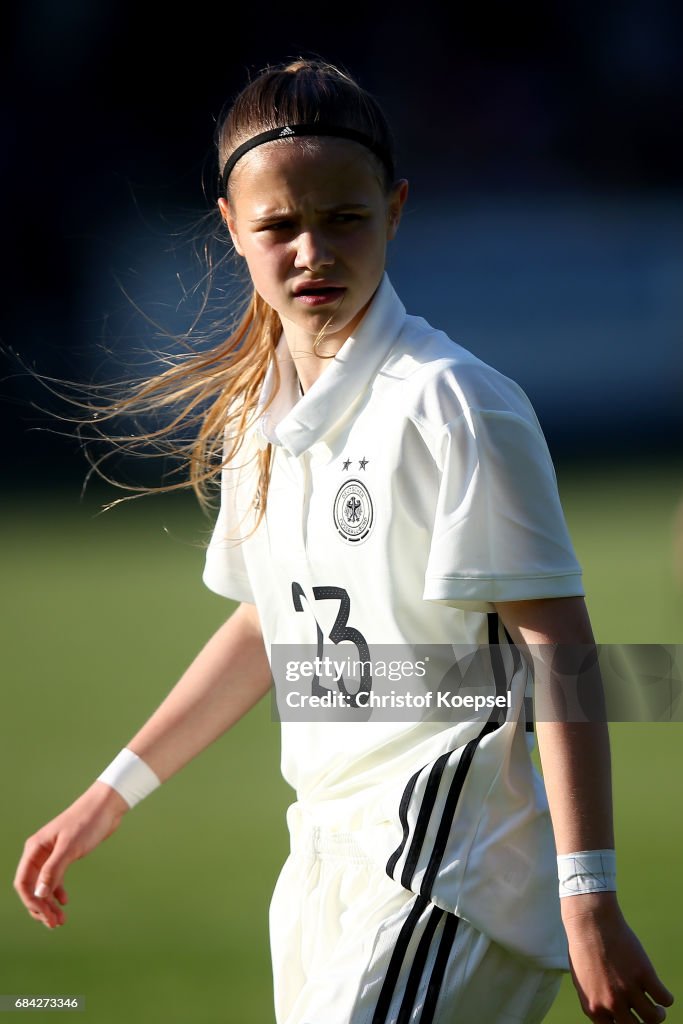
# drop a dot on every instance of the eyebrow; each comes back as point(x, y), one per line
point(284, 214)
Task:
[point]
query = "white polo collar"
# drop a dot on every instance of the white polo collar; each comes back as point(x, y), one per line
point(297, 421)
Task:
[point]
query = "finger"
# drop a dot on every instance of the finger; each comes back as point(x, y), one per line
point(50, 916)
point(616, 1010)
point(648, 1011)
point(50, 911)
point(39, 916)
point(625, 1016)
point(34, 867)
point(49, 888)
point(49, 881)
point(34, 856)
point(658, 992)
point(61, 894)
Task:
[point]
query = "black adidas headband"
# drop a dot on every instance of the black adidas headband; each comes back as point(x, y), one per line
point(313, 128)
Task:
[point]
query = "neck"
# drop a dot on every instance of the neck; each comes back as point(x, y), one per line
point(311, 362)
point(310, 366)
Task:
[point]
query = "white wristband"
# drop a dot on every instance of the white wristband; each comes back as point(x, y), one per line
point(587, 871)
point(130, 776)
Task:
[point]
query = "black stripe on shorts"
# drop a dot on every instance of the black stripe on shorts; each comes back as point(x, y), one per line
point(388, 1009)
point(396, 962)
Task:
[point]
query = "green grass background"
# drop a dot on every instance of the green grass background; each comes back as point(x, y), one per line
point(167, 919)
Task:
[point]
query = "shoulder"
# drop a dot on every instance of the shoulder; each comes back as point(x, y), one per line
point(442, 383)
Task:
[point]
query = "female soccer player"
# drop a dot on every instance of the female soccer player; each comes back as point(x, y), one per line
point(380, 486)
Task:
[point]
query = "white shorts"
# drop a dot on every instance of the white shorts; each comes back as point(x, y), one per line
point(351, 946)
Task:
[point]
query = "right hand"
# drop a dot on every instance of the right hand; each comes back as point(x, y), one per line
point(611, 971)
point(89, 820)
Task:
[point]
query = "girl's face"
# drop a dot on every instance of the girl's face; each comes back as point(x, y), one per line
point(312, 222)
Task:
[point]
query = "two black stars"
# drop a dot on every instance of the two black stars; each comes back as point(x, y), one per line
point(362, 463)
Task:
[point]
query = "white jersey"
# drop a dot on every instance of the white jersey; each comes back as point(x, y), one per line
point(411, 490)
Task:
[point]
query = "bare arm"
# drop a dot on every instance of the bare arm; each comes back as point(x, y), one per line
point(610, 969)
point(228, 677)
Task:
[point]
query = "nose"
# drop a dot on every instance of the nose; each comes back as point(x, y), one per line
point(313, 250)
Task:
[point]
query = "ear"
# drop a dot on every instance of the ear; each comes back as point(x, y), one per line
point(397, 198)
point(228, 217)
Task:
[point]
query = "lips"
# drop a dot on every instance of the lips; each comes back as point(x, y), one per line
point(317, 288)
point(316, 292)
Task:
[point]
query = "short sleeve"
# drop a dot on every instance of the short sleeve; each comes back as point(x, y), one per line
point(499, 532)
point(225, 568)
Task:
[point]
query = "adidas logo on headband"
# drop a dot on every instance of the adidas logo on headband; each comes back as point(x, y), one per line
point(314, 128)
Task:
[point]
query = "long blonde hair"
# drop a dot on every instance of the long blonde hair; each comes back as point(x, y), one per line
point(214, 394)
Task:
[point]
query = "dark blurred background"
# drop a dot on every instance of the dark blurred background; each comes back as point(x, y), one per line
point(543, 231)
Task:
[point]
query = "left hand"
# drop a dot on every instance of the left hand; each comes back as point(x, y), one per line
point(610, 969)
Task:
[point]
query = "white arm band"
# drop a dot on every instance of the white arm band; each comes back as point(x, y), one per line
point(587, 871)
point(130, 776)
